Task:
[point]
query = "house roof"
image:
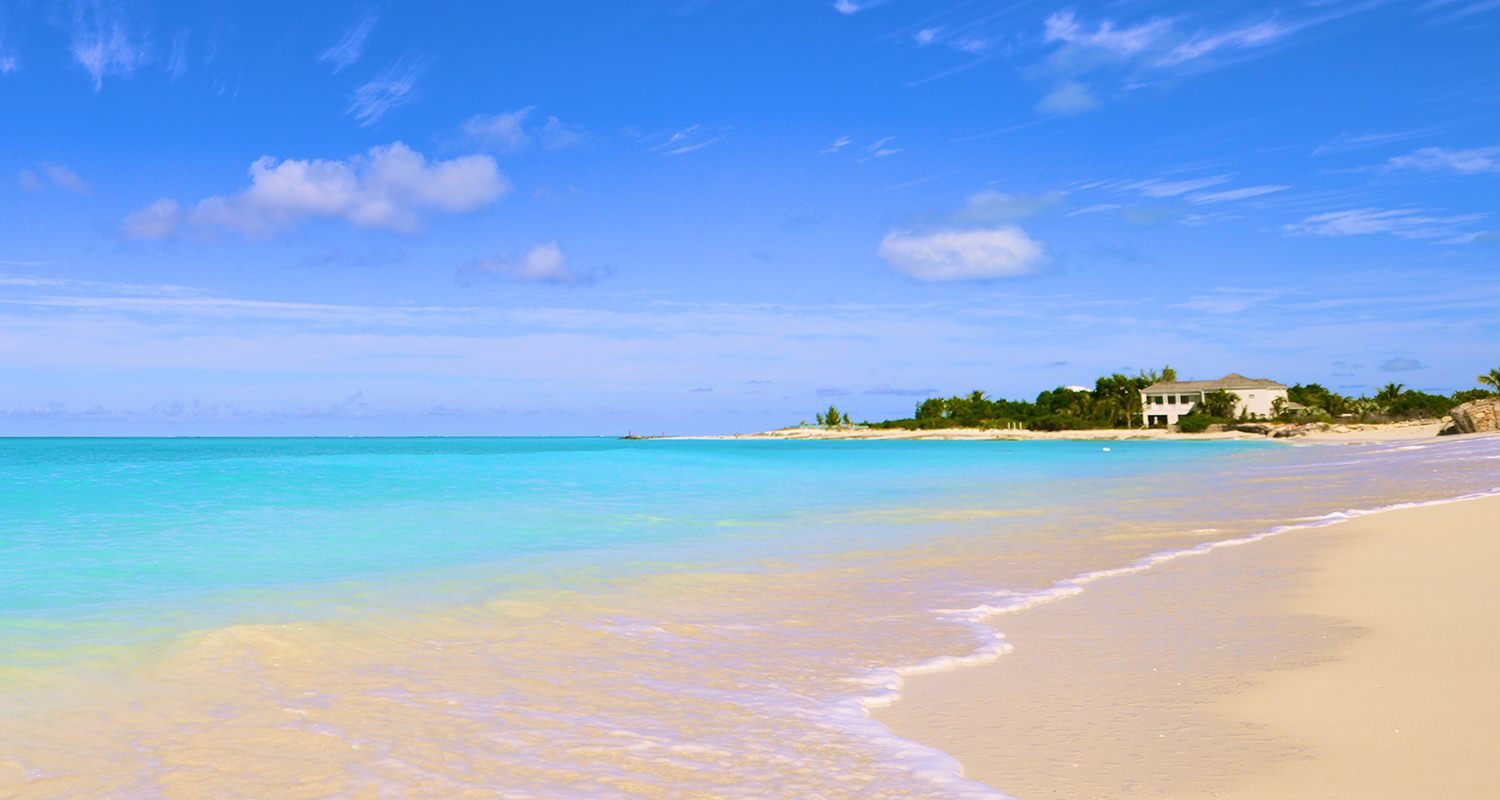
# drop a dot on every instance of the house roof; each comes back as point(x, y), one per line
point(1233, 380)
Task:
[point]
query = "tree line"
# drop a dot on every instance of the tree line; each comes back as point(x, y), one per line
point(1115, 402)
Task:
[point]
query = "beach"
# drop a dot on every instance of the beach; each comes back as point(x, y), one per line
point(1349, 661)
point(754, 619)
point(1352, 433)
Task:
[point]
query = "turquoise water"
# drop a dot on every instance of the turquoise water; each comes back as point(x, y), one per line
point(95, 528)
point(564, 618)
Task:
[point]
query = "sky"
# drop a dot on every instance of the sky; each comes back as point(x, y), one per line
point(705, 216)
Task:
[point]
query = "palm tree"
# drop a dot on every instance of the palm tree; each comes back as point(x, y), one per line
point(1491, 379)
point(1390, 393)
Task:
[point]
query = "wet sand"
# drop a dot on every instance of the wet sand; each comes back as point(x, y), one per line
point(1353, 661)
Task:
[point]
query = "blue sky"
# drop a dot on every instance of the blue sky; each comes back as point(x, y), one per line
point(707, 215)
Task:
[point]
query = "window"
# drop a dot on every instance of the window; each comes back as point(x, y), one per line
point(1187, 398)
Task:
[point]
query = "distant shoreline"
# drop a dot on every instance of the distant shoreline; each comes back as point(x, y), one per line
point(1335, 434)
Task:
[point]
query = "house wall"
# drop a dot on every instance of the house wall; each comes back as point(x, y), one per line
point(1159, 406)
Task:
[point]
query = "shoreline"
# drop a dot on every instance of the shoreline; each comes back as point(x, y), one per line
point(1336, 434)
point(1284, 670)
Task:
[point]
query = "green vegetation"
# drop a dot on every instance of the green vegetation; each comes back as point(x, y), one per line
point(834, 418)
point(1492, 380)
point(1115, 402)
point(1198, 423)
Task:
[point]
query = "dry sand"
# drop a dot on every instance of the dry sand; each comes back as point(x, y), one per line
point(1338, 434)
point(1360, 660)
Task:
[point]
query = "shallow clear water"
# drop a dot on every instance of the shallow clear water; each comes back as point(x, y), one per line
point(569, 617)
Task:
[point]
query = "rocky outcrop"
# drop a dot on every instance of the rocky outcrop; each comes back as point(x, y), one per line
point(1288, 431)
point(1254, 427)
point(1477, 416)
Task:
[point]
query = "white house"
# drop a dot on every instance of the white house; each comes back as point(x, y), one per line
point(1164, 402)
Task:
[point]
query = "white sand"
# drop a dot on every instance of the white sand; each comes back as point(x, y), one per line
point(1356, 661)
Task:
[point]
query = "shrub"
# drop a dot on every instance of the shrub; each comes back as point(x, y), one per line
point(1197, 423)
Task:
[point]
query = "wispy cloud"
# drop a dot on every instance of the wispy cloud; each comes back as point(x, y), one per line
point(350, 47)
point(1401, 365)
point(50, 175)
point(1131, 55)
point(1404, 223)
point(963, 254)
point(394, 87)
point(837, 145)
point(1068, 97)
point(177, 60)
point(1230, 195)
point(1064, 27)
point(1455, 10)
point(846, 6)
point(990, 206)
point(691, 139)
point(512, 131)
point(1158, 189)
point(102, 43)
point(544, 263)
point(1345, 142)
point(389, 187)
point(1203, 44)
point(881, 148)
point(1474, 161)
point(896, 391)
point(1227, 301)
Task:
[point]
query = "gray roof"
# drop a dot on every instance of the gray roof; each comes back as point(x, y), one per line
point(1233, 380)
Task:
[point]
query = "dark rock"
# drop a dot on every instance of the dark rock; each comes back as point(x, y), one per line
point(1254, 427)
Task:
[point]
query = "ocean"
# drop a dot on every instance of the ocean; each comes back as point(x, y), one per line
point(577, 617)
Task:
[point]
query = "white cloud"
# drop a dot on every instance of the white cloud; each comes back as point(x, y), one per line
point(392, 88)
point(837, 145)
point(1474, 161)
point(960, 255)
point(845, 6)
point(389, 187)
point(543, 263)
point(1230, 195)
point(925, 36)
point(156, 221)
point(1405, 223)
point(8, 63)
point(1158, 189)
point(1063, 26)
point(101, 42)
point(351, 45)
point(1069, 97)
